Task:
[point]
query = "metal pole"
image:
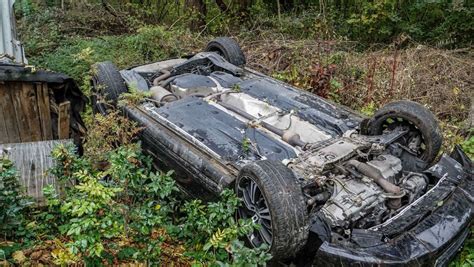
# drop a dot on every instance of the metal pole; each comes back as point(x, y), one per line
point(10, 47)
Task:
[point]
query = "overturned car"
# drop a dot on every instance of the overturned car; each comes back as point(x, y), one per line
point(326, 185)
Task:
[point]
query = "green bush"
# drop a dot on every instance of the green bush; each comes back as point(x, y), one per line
point(440, 23)
point(376, 22)
point(125, 211)
point(13, 204)
point(468, 145)
point(116, 208)
point(465, 258)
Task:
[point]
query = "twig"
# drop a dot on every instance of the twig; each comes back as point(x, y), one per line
point(176, 21)
point(207, 24)
point(394, 69)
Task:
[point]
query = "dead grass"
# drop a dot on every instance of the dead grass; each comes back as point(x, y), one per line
point(439, 79)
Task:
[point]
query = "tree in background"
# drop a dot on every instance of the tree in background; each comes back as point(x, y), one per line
point(443, 23)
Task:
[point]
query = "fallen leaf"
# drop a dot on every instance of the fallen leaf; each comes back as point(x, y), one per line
point(19, 257)
point(45, 258)
point(456, 90)
point(36, 255)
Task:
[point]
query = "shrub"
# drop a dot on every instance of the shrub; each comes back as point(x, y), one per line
point(120, 210)
point(124, 212)
point(468, 146)
point(13, 203)
point(108, 132)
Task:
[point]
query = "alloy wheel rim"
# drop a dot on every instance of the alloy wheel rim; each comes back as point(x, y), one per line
point(255, 207)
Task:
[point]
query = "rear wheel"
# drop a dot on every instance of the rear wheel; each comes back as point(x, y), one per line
point(424, 135)
point(272, 199)
point(107, 85)
point(228, 48)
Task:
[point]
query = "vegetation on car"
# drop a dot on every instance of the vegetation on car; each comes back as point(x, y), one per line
point(133, 97)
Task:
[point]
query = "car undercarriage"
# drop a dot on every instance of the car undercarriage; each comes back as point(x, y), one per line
point(322, 181)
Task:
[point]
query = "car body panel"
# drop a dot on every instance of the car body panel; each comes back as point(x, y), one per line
point(221, 132)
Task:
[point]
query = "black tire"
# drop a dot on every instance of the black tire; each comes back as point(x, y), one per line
point(108, 83)
point(420, 119)
point(228, 48)
point(284, 199)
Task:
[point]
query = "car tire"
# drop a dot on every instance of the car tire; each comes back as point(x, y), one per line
point(106, 82)
point(418, 117)
point(277, 186)
point(228, 48)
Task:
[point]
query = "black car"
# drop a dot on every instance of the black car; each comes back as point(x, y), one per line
point(327, 185)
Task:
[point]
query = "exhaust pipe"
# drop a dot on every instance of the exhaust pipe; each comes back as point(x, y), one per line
point(287, 136)
point(377, 177)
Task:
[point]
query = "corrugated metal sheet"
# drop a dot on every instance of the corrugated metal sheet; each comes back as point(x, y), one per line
point(10, 47)
point(33, 160)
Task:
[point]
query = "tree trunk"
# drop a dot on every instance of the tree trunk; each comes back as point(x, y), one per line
point(199, 9)
point(244, 6)
point(222, 6)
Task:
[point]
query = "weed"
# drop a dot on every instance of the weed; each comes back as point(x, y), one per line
point(369, 109)
point(106, 133)
point(246, 144)
point(468, 146)
point(13, 204)
point(133, 96)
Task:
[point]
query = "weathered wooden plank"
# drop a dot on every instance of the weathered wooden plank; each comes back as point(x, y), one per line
point(29, 106)
point(6, 105)
point(42, 93)
point(63, 120)
point(16, 95)
point(33, 160)
point(3, 128)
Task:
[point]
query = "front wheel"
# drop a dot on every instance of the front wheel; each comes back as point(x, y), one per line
point(272, 199)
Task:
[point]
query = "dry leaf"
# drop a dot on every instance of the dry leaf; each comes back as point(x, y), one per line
point(19, 257)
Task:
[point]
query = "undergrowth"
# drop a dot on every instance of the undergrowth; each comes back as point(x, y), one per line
point(117, 209)
point(76, 55)
point(13, 204)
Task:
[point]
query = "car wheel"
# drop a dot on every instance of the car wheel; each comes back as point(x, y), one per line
point(424, 137)
point(228, 48)
point(107, 83)
point(272, 198)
